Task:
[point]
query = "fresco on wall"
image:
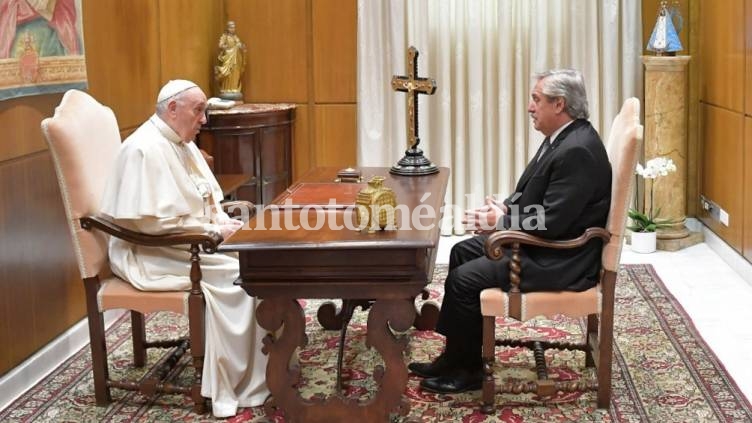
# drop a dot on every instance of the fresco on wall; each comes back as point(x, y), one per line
point(41, 47)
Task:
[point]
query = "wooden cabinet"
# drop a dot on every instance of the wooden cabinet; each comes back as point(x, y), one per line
point(255, 139)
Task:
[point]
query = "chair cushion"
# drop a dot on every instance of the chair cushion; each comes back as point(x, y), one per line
point(117, 293)
point(495, 302)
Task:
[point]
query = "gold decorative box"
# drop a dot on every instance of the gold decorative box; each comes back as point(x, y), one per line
point(376, 206)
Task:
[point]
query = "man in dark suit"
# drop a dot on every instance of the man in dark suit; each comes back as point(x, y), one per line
point(564, 190)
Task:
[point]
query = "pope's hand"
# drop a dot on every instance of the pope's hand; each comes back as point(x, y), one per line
point(484, 218)
point(229, 227)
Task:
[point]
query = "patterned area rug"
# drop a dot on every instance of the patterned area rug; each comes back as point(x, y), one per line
point(663, 372)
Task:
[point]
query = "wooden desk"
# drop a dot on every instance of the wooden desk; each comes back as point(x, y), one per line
point(230, 182)
point(390, 267)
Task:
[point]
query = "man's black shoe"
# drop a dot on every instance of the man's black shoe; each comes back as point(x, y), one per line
point(459, 380)
point(442, 365)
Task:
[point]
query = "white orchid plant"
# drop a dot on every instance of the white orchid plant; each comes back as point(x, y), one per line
point(648, 221)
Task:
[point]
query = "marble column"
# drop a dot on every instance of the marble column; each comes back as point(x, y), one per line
point(666, 135)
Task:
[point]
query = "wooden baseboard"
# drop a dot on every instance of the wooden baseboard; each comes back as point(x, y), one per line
point(24, 376)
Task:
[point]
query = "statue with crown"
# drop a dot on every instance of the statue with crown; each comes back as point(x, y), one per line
point(664, 40)
point(665, 125)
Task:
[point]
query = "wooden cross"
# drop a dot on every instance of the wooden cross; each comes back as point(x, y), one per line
point(413, 85)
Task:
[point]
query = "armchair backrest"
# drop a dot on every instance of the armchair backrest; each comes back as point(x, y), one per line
point(84, 140)
point(624, 143)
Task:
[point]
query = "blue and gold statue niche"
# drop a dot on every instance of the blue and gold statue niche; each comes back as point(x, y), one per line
point(665, 39)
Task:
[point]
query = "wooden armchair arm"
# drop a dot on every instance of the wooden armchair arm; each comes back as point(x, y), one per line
point(498, 239)
point(208, 240)
point(516, 238)
point(239, 208)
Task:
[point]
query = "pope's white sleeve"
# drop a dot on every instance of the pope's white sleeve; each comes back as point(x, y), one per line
point(171, 225)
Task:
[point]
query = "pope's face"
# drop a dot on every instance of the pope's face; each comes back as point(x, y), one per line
point(190, 114)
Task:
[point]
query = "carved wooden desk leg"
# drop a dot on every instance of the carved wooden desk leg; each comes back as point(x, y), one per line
point(428, 315)
point(391, 379)
point(332, 318)
point(281, 378)
point(385, 316)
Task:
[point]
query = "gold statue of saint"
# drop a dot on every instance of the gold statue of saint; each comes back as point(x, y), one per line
point(230, 64)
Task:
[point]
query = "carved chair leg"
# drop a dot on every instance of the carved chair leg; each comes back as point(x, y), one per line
point(489, 343)
point(605, 357)
point(592, 329)
point(197, 341)
point(545, 386)
point(196, 331)
point(606, 340)
point(138, 327)
point(604, 368)
point(97, 342)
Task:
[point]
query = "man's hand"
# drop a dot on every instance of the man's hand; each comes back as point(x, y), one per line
point(484, 219)
point(229, 227)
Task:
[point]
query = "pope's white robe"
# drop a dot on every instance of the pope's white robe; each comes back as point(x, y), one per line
point(162, 185)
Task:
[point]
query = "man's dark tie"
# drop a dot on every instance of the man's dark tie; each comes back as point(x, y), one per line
point(544, 148)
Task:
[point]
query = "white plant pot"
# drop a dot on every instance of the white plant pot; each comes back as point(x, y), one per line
point(643, 242)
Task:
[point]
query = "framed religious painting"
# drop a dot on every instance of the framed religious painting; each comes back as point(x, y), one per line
point(41, 47)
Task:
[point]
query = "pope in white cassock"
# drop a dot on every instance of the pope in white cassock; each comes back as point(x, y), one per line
point(161, 184)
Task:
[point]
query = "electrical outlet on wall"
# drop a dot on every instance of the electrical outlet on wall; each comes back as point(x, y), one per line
point(723, 216)
point(714, 210)
point(704, 203)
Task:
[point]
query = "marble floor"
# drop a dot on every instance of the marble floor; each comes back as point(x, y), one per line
point(714, 285)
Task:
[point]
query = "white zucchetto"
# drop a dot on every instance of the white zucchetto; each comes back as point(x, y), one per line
point(174, 87)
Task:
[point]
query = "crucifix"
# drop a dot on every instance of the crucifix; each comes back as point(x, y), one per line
point(414, 163)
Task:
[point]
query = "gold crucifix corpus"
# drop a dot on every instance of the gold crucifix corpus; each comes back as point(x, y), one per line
point(413, 85)
point(414, 163)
